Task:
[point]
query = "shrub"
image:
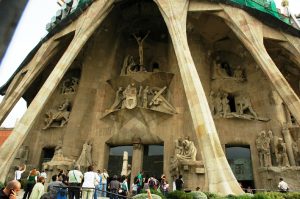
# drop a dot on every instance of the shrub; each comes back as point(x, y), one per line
point(179, 195)
point(153, 191)
point(295, 195)
point(212, 195)
point(145, 196)
point(197, 195)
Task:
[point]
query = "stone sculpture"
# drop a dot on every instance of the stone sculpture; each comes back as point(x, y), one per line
point(184, 150)
point(159, 102)
point(70, 85)
point(118, 99)
point(238, 73)
point(140, 42)
point(85, 158)
point(244, 106)
point(296, 152)
point(147, 97)
point(58, 161)
point(273, 148)
point(126, 168)
point(263, 149)
point(130, 97)
point(219, 72)
point(129, 66)
point(58, 117)
point(282, 154)
point(225, 105)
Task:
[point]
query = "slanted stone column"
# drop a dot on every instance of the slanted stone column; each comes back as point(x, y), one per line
point(219, 175)
point(21, 82)
point(87, 23)
point(250, 32)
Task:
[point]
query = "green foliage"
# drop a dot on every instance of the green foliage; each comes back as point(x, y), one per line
point(153, 191)
point(197, 195)
point(179, 195)
point(295, 195)
point(212, 195)
point(145, 196)
point(1, 185)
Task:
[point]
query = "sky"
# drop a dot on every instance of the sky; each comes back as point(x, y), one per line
point(30, 30)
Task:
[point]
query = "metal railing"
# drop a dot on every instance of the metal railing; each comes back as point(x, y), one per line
point(83, 188)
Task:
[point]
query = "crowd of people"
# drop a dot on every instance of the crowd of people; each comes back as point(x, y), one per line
point(90, 185)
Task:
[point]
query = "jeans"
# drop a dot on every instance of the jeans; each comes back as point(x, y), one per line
point(87, 193)
point(103, 188)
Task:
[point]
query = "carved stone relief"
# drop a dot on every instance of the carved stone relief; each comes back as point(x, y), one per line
point(146, 97)
point(58, 161)
point(222, 70)
point(69, 85)
point(271, 150)
point(223, 104)
point(85, 158)
point(184, 155)
point(58, 117)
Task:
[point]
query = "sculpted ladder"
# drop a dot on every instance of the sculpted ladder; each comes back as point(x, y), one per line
point(220, 178)
point(86, 25)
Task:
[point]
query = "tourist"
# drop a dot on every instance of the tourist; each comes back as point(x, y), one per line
point(114, 187)
point(174, 182)
point(140, 182)
point(153, 183)
point(75, 178)
point(18, 173)
point(134, 186)
point(99, 185)
point(31, 180)
point(164, 187)
point(55, 186)
point(283, 186)
point(104, 177)
point(124, 187)
point(43, 174)
point(249, 190)
point(179, 183)
point(63, 176)
point(90, 180)
point(38, 189)
point(11, 190)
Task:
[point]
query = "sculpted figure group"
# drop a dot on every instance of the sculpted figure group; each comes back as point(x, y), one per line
point(143, 96)
point(184, 150)
point(271, 150)
point(220, 106)
point(225, 71)
point(58, 117)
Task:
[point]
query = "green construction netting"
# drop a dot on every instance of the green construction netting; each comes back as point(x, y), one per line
point(266, 6)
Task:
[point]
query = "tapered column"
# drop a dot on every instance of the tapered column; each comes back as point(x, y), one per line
point(250, 32)
point(86, 25)
point(20, 83)
point(219, 175)
point(137, 160)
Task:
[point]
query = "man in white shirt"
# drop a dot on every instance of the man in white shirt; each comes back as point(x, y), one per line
point(283, 186)
point(18, 173)
point(75, 179)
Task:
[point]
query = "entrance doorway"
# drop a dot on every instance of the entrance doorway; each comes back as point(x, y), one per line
point(239, 159)
point(153, 160)
point(115, 161)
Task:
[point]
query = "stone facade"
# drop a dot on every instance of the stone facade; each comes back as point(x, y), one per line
point(207, 73)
